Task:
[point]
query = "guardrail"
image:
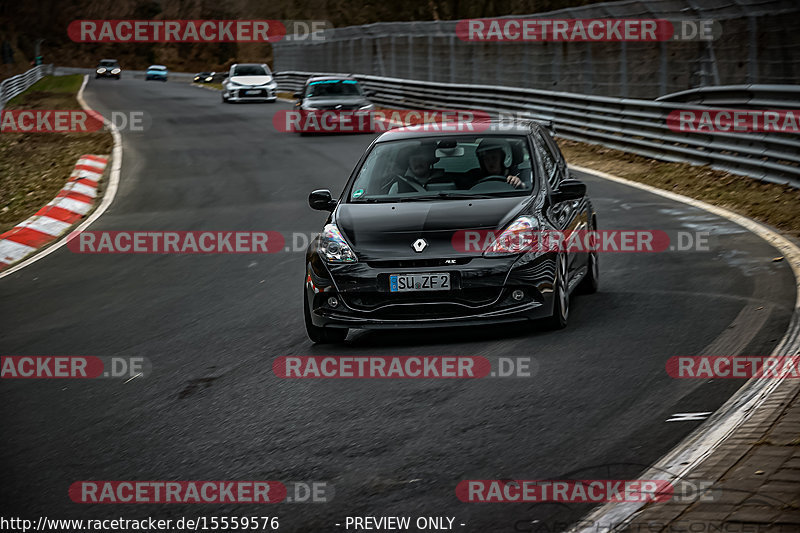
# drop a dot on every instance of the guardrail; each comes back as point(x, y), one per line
point(740, 96)
point(636, 126)
point(17, 84)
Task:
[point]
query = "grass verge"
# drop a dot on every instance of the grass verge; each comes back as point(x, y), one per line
point(35, 166)
point(776, 205)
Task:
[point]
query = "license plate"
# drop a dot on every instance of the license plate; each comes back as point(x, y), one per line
point(419, 282)
point(252, 92)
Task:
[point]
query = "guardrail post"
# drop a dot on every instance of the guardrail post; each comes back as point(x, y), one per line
point(663, 70)
point(452, 59)
point(623, 70)
point(410, 73)
point(752, 49)
point(393, 55)
point(589, 69)
point(430, 57)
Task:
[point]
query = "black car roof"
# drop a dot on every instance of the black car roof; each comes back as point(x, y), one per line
point(494, 128)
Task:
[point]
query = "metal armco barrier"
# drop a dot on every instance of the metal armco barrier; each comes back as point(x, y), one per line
point(631, 125)
point(17, 84)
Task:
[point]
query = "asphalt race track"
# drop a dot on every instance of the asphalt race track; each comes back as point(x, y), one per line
point(212, 325)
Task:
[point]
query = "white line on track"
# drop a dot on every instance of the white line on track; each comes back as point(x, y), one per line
point(701, 443)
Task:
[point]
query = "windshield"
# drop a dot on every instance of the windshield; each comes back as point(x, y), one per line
point(445, 168)
point(106, 63)
point(250, 70)
point(333, 88)
point(157, 67)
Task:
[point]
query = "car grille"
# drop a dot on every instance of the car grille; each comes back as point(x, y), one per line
point(243, 93)
point(421, 263)
point(450, 302)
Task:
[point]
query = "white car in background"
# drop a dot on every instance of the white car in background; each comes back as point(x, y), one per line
point(249, 82)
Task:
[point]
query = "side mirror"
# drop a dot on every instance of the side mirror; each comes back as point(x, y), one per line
point(321, 200)
point(298, 95)
point(570, 189)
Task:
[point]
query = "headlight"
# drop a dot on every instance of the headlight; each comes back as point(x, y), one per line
point(519, 237)
point(101, 70)
point(115, 71)
point(366, 107)
point(209, 78)
point(333, 248)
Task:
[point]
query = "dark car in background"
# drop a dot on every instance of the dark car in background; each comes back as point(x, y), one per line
point(388, 255)
point(331, 94)
point(108, 68)
point(203, 77)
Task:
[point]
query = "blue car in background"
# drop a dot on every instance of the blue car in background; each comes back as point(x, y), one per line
point(156, 72)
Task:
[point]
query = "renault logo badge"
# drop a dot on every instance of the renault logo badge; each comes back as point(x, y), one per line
point(419, 245)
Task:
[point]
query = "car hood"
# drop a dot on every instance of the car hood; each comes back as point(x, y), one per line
point(251, 80)
point(380, 231)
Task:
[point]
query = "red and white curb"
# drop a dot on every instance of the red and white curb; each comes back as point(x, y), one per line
point(53, 220)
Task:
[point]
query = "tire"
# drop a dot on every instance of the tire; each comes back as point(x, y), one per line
point(591, 281)
point(225, 99)
point(320, 335)
point(558, 320)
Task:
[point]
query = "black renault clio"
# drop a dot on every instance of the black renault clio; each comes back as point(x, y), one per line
point(395, 251)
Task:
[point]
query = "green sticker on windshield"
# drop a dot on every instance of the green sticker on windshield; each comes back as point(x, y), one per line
point(358, 193)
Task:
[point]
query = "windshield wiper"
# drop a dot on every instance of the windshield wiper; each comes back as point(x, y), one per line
point(466, 196)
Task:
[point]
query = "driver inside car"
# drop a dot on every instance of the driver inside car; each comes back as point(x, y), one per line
point(419, 170)
point(491, 157)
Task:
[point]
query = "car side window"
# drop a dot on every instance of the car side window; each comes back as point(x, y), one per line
point(549, 160)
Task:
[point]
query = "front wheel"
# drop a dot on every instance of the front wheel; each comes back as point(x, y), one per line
point(591, 281)
point(320, 335)
point(225, 99)
point(558, 320)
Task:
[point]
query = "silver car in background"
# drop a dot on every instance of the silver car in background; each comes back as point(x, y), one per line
point(249, 82)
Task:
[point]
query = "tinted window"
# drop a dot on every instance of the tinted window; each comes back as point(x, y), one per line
point(249, 70)
point(333, 88)
point(432, 168)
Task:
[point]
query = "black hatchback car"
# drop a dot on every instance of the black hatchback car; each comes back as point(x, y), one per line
point(391, 253)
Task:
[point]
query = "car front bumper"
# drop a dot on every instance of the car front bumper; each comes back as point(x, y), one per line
point(481, 294)
point(240, 95)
